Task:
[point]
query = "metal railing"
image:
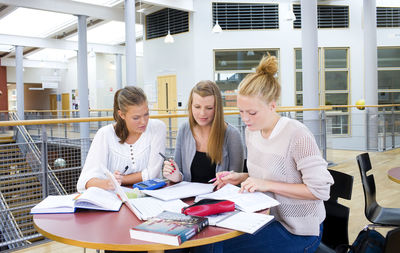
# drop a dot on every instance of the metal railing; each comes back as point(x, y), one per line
point(62, 152)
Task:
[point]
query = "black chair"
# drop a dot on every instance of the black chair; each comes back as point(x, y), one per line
point(335, 230)
point(392, 241)
point(373, 211)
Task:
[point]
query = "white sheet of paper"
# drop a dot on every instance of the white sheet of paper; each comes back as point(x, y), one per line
point(181, 190)
point(149, 207)
point(246, 201)
point(245, 222)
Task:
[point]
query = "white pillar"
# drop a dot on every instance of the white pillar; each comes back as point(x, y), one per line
point(130, 42)
point(19, 72)
point(309, 42)
point(83, 85)
point(118, 70)
point(371, 72)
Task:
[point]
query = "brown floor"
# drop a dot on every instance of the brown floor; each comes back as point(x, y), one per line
point(388, 193)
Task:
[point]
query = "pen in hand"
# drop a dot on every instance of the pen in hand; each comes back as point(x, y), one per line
point(223, 174)
point(126, 168)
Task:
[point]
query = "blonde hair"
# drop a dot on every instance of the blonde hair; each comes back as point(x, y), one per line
point(218, 127)
point(127, 96)
point(262, 83)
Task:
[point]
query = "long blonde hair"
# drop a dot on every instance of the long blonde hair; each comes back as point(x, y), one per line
point(218, 127)
point(262, 83)
point(127, 96)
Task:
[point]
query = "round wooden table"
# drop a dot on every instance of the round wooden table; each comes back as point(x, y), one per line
point(394, 174)
point(110, 231)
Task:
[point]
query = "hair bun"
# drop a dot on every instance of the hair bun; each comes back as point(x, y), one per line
point(267, 66)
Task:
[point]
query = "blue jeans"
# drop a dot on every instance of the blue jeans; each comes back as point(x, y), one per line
point(272, 238)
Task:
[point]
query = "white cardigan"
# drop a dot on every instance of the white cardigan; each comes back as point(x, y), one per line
point(106, 153)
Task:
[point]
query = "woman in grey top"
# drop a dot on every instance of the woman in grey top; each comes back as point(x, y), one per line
point(206, 144)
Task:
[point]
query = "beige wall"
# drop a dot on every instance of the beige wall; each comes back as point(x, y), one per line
point(35, 99)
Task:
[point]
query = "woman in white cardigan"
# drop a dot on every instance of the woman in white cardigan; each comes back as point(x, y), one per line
point(128, 148)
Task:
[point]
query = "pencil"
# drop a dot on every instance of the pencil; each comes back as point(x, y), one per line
point(221, 176)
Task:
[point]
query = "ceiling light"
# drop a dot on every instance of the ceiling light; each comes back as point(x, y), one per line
point(217, 28)
point(290, 14)
point(168, 39)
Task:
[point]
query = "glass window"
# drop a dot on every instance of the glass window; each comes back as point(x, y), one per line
point(298, 59)
point(239, 60)
point(231, 67)
point(388, 57)
point(336, 80)
point(336, 58)
point(389, 79)
point(334, 85)
point(299, 81)
point(339, 124)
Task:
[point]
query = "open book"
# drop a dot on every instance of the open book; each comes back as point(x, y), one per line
point(246, 201)
point(93, 198)
point(121, 194)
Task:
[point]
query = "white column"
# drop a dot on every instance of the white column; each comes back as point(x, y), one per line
point(130, 42)
point(309, 42)
point(83, 85)
point(371, 72)
point(19, 77)
point(118, 70)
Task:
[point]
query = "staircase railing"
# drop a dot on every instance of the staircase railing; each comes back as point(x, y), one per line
point(36, 156)
point(9, 227)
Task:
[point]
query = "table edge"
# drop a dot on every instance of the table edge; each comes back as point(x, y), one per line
point(140, 247)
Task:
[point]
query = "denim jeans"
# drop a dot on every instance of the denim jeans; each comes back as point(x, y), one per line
point(272, 238)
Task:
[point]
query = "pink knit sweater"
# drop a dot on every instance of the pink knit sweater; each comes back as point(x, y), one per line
point(291, 155)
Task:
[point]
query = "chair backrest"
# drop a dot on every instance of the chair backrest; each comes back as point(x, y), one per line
point(335, 230)
point(392, 241)
point(368, 183)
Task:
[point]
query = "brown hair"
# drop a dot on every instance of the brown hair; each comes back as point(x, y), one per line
point(218, 127)
point(127, 96)
point(262, 83)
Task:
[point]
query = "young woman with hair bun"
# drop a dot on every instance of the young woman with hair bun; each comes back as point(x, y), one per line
point(128, 148)
point(283, 161)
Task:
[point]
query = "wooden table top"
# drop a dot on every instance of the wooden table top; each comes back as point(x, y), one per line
point(394, 174)
point(110, 231)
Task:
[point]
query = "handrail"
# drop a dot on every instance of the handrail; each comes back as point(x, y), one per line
point(97, 119)
point(37, 153)
point(300, 108)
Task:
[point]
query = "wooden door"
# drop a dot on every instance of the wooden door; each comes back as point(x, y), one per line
point(167, 101)
point(53, 104)
point(65, 104)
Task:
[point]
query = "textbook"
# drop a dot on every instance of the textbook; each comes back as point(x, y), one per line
point(169, 228)
point(246, 201)
point(93, 198)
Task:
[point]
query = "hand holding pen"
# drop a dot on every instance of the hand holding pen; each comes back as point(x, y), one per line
point(170, 170)
point(119, 175)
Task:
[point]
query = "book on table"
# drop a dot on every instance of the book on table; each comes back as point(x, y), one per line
point(169, 228)
point(92, 198)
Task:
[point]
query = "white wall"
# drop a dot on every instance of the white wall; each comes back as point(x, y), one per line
point(191, 56)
